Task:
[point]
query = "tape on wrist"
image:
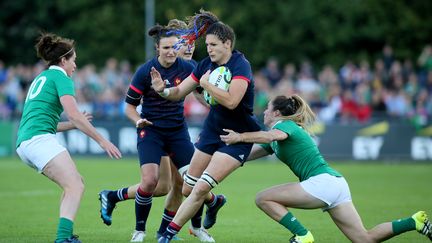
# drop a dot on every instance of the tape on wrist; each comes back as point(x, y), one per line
point(165, 92)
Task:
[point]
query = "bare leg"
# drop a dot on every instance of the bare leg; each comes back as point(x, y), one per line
point(220, 166)
point(62, 170)
point(275, 200)
point(349, 222)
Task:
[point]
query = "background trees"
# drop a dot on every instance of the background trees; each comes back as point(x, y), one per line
point(321, 31)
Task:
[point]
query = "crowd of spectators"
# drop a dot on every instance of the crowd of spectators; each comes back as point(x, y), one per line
point(391, 89)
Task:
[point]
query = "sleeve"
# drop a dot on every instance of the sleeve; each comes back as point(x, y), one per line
point(198, 71)
point(141, 80)
point(242, 70)
point(286, 127)
point(267, 147)
point(64, 86)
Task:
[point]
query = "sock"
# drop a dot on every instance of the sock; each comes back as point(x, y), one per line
point(292, 224)
point(64, 229)
point(172, 230)
point(196, 219)
point(143, 203)
point(403, 225)
point(212, 200)
point(166, 219)
point(119, 195)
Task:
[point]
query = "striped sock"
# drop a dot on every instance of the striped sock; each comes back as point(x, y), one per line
point(172, 230)
point(119, 195)
point(166, 219)
point(143, 203)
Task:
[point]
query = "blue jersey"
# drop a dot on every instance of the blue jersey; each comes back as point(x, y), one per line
point(163, 113)
point(241, 119)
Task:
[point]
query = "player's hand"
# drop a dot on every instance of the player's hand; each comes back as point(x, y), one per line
point(157, 83)
point(88, 116)
point(143, 123)
point(231, 138)
point(204, 80)
point(111, 149)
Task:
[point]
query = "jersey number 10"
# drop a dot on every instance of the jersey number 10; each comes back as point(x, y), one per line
point(35, 88)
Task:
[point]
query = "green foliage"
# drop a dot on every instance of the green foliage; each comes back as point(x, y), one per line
point(321, 31)
point(381, 192)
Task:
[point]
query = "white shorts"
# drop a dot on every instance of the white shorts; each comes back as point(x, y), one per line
point(39, 150)
point(330, 189)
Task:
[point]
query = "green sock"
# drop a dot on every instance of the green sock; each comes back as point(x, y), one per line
point(403, 225)
point(292, 224)
point(64, 229)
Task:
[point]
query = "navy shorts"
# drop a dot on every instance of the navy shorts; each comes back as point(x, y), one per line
point(153, 143)
point(209, 142)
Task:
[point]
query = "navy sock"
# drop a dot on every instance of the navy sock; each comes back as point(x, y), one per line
point(196, 219)
point(143, 203)
point(172, 230)
point(119, 195)
point(166, 219)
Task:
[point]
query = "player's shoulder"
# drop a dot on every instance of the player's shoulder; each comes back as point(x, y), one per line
point(239, 57)
point(186, 64)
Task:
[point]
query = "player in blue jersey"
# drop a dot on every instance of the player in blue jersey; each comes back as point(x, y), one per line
point(213, 160)
point(161, 131)
point(51, 92)
point(320, 185)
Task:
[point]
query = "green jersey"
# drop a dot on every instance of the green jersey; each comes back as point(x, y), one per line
point(299, 152)
point(42, 107)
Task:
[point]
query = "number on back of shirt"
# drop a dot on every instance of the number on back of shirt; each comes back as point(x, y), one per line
point(36, 87)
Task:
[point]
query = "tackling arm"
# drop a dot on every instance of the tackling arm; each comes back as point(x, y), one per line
point(253, 137)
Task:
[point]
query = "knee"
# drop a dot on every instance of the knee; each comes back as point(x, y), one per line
point(75, 185)
point(161, 189)
point(260, 200)
point(201, 189)
point(149, 183)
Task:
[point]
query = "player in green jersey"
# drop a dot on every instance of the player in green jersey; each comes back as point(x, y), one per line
point(51, 92)
point(320, 186)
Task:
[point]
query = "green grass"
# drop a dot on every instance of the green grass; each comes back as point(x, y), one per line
point(381, 192)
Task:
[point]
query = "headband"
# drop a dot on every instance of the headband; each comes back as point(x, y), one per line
point(66, 53)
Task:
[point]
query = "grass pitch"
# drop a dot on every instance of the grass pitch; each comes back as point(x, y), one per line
point(381, 192)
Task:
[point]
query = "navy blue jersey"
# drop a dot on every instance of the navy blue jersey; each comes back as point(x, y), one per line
point(241, 119)
point(163, 113)
point(193, 62)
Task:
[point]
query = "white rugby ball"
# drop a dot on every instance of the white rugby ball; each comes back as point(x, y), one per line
point(221, 78)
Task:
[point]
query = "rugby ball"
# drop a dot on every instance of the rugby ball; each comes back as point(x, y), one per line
point(221, 78)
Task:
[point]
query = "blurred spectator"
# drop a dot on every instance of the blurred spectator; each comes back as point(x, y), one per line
point(387, 56)
point(262, 93)
point(425, 58)
point(271, 71)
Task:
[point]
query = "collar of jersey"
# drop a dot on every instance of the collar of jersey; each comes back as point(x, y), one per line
point(55, 67)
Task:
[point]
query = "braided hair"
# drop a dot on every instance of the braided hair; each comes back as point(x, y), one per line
point(204, 23)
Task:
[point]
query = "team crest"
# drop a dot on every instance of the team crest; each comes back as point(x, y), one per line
point(177, 81)
point(142, 133)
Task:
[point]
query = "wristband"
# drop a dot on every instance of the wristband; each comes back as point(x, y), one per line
point(164, 93)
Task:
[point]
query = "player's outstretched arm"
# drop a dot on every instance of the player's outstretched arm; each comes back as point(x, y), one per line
point(80, 121)
point(174, 93)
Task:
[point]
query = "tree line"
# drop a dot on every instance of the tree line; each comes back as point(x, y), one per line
point(321, 31)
